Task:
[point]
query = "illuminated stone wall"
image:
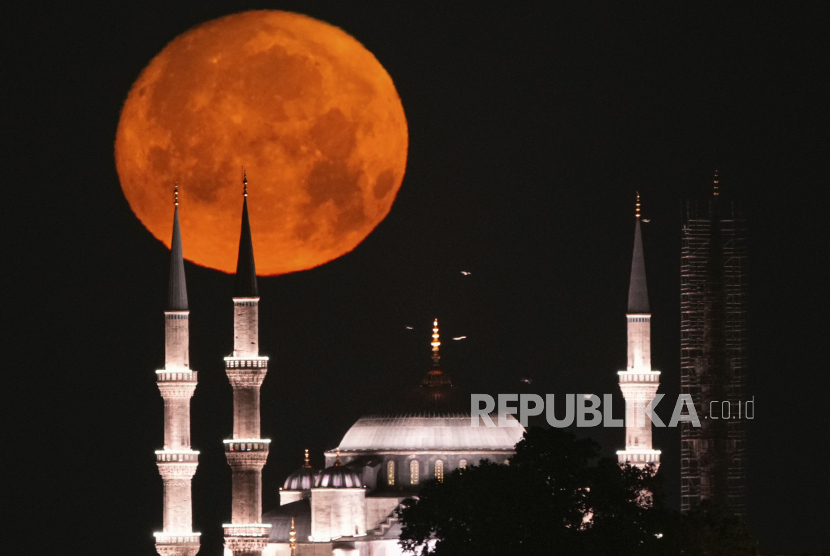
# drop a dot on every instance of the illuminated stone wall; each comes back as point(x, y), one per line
point(337, 512)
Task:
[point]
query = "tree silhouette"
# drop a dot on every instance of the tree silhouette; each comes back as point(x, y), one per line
point(551, 499)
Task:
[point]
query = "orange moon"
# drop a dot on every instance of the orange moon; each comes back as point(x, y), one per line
point(309, 112)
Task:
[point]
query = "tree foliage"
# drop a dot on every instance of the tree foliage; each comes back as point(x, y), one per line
point(552, 499)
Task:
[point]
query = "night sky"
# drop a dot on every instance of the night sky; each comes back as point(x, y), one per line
point(530, 132)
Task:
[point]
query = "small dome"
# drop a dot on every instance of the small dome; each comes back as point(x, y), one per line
point(301, 479)
point(339, 476)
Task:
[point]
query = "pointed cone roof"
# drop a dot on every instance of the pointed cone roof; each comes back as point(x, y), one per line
point(245, 268)
point(176, 287)
point(637, 288)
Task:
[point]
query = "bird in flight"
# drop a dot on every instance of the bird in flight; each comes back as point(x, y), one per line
point(465, 273)
point(409, 328)
point(459, 337)
point(527, 380)
point(646, 220)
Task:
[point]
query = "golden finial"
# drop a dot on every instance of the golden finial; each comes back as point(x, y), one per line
point(244, 183)
point(436, 342)
point(176, 194)
point(337, 458)
point(307, 464)
point(637, 210)
point(716, 184)
point(292, 537)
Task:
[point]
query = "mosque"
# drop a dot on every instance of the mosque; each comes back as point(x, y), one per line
point(350, 506)
point(383, 459)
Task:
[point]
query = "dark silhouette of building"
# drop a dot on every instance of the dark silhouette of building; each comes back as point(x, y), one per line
point(713, 359)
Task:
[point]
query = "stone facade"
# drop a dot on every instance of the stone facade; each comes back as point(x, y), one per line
point(337, 512)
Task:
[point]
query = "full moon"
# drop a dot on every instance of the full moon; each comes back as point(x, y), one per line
point(308, 111)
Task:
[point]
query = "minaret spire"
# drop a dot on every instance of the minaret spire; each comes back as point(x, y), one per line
point(176, 287)
point(246, 285)
point(715, 186)
point(246, 452)
point(177, 462)
point(638, 382)
point(637, 288)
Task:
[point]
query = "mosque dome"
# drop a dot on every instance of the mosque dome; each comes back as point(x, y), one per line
point(303, 478)
point(431, 416)
point(429, 431)
point(339, 476)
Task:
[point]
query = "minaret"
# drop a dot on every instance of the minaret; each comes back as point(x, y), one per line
point(177, 382)
point(638, 382)
point(246, 451)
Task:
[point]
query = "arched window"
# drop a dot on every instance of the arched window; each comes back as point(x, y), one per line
point(439, 471)
point(390, 472)
point(462, 464)
point(413, 472)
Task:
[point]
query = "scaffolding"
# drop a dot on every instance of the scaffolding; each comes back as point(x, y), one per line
point(713, 358)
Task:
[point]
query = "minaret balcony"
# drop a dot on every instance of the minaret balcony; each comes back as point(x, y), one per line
point(246, 362)
point(177, 465)
point(250, 537)
point(638, 457)
point(247, 529)
point(247, 445)
point(177, 456)
point(652, 377)
point(177, 375)
point(246, 454)
point(246, 373)
point(177, 538)
point(176, 384)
